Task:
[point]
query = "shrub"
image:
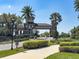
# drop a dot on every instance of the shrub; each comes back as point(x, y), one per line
point(74, 49)
point(32, 44)
point(69, 44)
point(65, 40)
point(54, 41)
point(60, 40)
point(24, 39)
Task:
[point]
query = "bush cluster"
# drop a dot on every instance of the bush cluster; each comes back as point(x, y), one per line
point(69, 44)
point(60, 40)
point(69, 47)
point(65, 40)
point(32, 44)
point(24, 39)
point(74, 49)
point(54, 41)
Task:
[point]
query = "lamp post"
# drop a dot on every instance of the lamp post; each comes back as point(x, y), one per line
point(12, 29)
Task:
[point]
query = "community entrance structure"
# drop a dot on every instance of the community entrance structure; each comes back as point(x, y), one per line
point(30, 28)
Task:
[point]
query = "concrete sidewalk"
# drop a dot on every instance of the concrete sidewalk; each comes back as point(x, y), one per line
point(35, 54)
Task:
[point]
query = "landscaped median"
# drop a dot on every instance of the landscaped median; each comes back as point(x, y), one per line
point(32, 44)
point(69, 47)
point(69, 44)
point(61, 40)
point(67, 50)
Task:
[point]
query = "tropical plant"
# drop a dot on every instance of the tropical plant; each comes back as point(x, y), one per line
point(19, 20)
point(28, 13)
point(47, 34)
point(75, 33)
point(64, 35)
point(55, 19)
point(9, 20)
point(76, 3)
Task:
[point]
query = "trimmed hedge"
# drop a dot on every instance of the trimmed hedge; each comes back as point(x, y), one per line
point(60, 40)
point(69, 44)
point(65, 40)
point(54, 41)
point(69, 47)
point(32, 44)
point(74, 49)
point(23, 39)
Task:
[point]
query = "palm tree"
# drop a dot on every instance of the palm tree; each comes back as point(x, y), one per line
point(28, 13)
point(4, 15)
point(19, 20)
point(55, 19)
point(9, 20)
point(76, 3)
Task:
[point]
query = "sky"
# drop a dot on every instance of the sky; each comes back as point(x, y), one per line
point(43, 9)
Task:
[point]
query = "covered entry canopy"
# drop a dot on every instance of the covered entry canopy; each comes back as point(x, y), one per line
point(43, 26)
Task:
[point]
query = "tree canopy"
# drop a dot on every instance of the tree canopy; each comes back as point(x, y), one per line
point(28, 13)
point(75, 33)
point(47, 34)
point(64, 35)
point(76, 3)
point(6, 19)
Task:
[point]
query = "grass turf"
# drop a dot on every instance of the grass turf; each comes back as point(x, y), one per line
point(10, 52)
point(63, 55)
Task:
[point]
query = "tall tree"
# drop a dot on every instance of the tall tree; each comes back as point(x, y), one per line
point(19, 20)
point(64, 35)
point(76, 3)
point(76, 6)
point(7, 19)
point(47, 34)
point(75, 33)
point(55, 19)
point(29, 17)
point(28, 13)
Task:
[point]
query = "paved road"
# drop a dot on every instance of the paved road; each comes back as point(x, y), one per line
point(35, 53)
point(8, 46)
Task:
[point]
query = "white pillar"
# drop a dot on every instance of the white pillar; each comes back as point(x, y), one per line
point(19, 32)
point(22, 31)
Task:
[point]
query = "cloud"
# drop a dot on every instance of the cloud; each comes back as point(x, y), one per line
point(6, 7)
point(0, 13)
point(9, 6)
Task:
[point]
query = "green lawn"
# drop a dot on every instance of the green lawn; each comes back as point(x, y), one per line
point(10, 52)
point(63, 55)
